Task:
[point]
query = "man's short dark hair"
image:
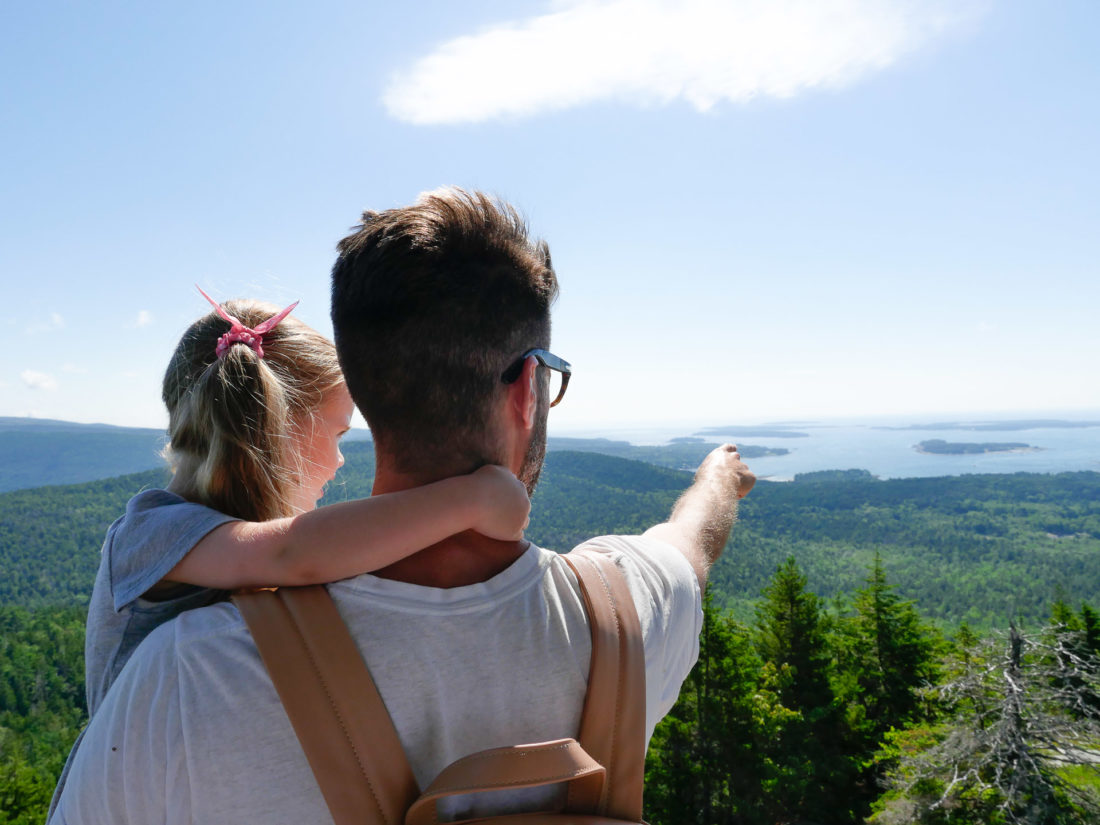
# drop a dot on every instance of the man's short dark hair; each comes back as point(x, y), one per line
point(430, 304)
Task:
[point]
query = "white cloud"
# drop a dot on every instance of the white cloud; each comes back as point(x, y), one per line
point(38, 380)
point(54, 322)
point(656, 51)
point(144, 318)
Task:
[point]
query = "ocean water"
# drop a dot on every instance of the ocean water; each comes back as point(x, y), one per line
point(890, 453)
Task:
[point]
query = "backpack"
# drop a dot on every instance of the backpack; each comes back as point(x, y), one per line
point(357, 757)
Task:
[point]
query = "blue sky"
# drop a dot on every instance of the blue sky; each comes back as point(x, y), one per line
point(758, 211)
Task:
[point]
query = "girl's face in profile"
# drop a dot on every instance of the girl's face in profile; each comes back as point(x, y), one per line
point(318, 445)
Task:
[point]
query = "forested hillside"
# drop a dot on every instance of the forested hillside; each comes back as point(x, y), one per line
point(42, 707)
point(980, 548)
point(50, 537)
point(832, 577)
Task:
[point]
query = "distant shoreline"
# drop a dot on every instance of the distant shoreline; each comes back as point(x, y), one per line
point(999, 426)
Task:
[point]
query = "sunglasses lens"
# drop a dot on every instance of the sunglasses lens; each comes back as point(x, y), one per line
point(555, 384)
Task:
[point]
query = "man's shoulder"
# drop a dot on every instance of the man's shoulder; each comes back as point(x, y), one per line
point(645, 551)
point(203, 627)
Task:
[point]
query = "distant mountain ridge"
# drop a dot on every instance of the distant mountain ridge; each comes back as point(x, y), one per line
point(37, 458)
point(39, 452)
point(36, 452)
point(29, 424)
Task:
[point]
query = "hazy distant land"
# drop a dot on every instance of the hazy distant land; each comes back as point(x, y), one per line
point(41, 452)
point(683, 453)
point(937, 446)
point(38, 452)
point(1000, 426)
point(778, 431)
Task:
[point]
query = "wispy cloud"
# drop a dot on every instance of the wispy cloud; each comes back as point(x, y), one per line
point(38, 380)
point(54, 322)
point(653, 52)
point(144, 318)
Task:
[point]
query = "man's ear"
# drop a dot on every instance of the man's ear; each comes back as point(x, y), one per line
point(523, 395)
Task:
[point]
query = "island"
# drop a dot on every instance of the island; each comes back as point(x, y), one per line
point(937, 446)
point(679, 454)
point(832, 476)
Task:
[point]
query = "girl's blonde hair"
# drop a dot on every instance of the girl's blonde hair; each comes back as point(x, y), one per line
point(233, 419)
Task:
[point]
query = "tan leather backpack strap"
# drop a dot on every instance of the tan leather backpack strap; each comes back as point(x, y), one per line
point(333, 704)
point(614, 717)
point(521, 766)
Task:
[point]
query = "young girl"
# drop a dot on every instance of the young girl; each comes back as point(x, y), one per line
point(257, 406)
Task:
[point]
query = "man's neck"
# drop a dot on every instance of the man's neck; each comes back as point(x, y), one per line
point(459, 560)
point(467, 558)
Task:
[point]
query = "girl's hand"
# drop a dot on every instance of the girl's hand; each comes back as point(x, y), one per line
point(503, 505)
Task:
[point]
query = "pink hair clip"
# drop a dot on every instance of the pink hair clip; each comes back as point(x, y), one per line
point(239, 333)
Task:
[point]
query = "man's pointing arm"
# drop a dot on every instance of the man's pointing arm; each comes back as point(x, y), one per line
point(703, 516)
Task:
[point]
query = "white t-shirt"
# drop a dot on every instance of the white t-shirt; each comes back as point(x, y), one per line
point(193, 731)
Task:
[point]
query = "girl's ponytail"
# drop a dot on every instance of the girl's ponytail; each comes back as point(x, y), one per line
point(232, 417)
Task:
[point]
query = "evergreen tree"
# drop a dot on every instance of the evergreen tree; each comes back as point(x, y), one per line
point(791, 634)
point(792, 637)
point(1090, 627)
point(891, 656)
point(1062, 614)
point(709, 761)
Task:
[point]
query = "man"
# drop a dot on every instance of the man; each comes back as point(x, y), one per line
point(442, 320)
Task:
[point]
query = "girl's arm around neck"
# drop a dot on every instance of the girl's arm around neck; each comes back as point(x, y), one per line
point(354, 537)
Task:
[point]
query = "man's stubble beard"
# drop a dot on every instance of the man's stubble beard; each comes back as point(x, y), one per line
point(536, 454)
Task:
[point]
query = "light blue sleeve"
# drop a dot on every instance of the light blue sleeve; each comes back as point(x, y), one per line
point(158, 530)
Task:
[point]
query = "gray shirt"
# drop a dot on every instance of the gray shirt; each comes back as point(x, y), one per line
point(193, 730)
point(154, 534)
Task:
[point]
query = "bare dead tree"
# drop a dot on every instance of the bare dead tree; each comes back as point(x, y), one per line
point(1023, 709)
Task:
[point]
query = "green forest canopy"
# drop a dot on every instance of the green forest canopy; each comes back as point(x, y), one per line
point(979, 548)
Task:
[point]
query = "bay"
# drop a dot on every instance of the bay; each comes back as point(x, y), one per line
point(884, 448)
